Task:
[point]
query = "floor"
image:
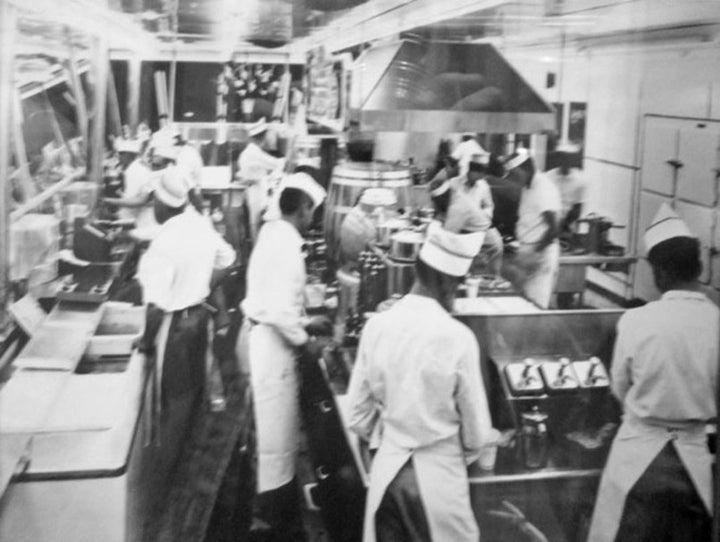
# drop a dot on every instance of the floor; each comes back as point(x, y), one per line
point(211, 495)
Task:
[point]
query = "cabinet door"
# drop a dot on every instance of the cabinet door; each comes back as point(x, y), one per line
point(660, 145)
point(698, 152)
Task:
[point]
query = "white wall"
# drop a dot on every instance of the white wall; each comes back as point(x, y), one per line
point(622, 84)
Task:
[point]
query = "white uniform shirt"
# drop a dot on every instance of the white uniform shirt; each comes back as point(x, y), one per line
point(664, 365)
point(479, 194)
point(572, 188)
point(139, 181)
point(542, 196)
point(189, 160)
point(254, 164)
point(464, 152)
point(176, 270)
point(276, 281)
point(417, 372)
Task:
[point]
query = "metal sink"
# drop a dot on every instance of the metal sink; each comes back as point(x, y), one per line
point(114, 363)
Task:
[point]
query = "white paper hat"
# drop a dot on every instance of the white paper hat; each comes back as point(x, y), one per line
point(258, 128)
point(666, 225)
point(127, 145)
point(523, 155)
point(450, 253)
point(171, 187)
point(480, 158)
point(304, 182)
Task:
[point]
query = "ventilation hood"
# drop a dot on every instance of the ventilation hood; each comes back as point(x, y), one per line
point(413, 86)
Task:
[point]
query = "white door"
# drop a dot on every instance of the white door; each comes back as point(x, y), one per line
point(698, 154)
point(659, 149)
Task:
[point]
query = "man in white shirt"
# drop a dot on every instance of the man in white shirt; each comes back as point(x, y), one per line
point(184, 262)
point(417, 395)
point(465, 150)
point(471, 209)
point(136, 202)
point(538, 258)
point(657, 483)
point(571, 184)
point(276, 327)
point(255, 166)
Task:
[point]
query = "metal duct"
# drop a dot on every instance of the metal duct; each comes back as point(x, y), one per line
point(412, 86)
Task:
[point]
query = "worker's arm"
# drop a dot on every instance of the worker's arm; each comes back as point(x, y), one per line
point(551, 230)
point(364, 412)
point(621, 365)
point(155, 274)
point(153, 320)
point(476, 428)
point(139, 200)
point(486, 200)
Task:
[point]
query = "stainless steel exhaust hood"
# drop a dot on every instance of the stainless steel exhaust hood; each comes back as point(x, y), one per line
point(412, 86)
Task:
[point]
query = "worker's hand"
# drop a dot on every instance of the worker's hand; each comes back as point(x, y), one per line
point(319, 325)
point(144, 346)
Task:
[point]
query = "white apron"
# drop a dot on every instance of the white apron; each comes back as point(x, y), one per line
point(634, 448)
point(441, 474)
point(275, 398)
point(539, 286)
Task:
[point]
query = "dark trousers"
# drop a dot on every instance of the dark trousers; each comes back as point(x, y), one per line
point(184, 361)
point(279, 509)
point(401, 516)
point(663, 505)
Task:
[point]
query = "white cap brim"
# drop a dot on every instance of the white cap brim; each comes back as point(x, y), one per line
point(667, 224)
point(304, 182)
point(522, 157)
point(450, 253)
point(171, 188)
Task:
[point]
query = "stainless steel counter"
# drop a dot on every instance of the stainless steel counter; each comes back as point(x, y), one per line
point(85, 446)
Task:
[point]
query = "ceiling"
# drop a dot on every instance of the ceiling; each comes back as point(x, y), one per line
point(296, 26)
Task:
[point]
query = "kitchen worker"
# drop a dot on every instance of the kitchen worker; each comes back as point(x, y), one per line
point(255, 167)
point(465, 150)
point(657, 483)
point(190, 161)
point(184, 262)
point(536, 263)
point(275, 328)
point(186, 157)
point(136, 201)
point(471, 209)
point(571, 184)
point(417, 395)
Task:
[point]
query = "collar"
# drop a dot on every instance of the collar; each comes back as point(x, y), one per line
point(286, 230)
point(684, 294)
point(423, 302)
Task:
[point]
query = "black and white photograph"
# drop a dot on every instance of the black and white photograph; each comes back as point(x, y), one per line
point(359, 270)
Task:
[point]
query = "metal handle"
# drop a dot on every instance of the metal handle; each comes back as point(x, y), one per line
point(325, 406)
point(322, 473)
point(309, 500)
